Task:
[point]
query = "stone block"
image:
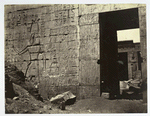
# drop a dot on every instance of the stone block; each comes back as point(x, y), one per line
point(58, 22)
point(60, 38)
point(72, 21)
point(73, 13)
point(53, 39)
point(47, 17)
point(142, 10)
point(34, 56)
point(88, 91)
point(65, 6)
point(72, 29)
point(50, 9)
point(52, 16)
point(89, 72)
point(71, 37)
point(85, 92)
point(89, 19)
point(89, 32)
point(63, 47)
point(54, 31)
point(73, 62)
point(74, 6)
point(63, 55)
point(73, 45)
point(63, 81)
point(98, 8)
point(73, 53)
point(52, 91)
point(64, 30)
point(49, 25)
point(47, 33)
point(34, 49)
point(89, 49)
point(71, 70)
point(72, 80)
point(44, 40)
point(143, 32)
point(26, 56)
point(42, 89)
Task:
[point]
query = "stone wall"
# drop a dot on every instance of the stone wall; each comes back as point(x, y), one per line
point(59, 45)
point(43, 43)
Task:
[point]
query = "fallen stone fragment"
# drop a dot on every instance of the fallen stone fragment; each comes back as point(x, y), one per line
point(67, 97)
point(16, 98)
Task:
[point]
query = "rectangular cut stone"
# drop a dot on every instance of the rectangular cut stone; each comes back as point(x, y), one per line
point(89, 31)
point(73, 13)
point(88, 91)
point(73, 62)
point(73, 53)
point(98, 8)
point(89, 72)
point(73, 45)
point(34, 49)
point(89, 19)
point(72, 80)
point(89, 49)
point(65, 6)
point(63, 30)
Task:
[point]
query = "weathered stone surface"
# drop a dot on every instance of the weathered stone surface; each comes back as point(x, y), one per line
point(61, 35)
point(88, 91)
point(89, 19)
point(89, 49)
point(63, 30)
point(65, 38)
point(84, 9)
point(89, 31)
point(89, 72)
point(73, 13)
point(63, 97)
point(73, 53)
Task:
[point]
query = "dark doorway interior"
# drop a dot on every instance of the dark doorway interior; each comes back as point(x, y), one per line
point(123, 68)
point(110, 22)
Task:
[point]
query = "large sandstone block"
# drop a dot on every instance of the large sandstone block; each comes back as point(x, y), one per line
point(89, 49)
point(73, 45)
point(50, 9)
point(89, 31)
point(64, 30)
point(65, 38)
point(73, 53)
point(89, 72)
point(89, 19)
point(88, 91)
point(98, 8)
point(73, 13)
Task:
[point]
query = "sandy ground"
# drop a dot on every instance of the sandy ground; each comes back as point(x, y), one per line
point(102, 105)
point(26, 103)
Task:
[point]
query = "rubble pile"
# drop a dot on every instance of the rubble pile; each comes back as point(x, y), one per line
point(20, 95)
point(13, 75)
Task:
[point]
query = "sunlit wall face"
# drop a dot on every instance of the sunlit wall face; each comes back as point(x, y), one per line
point(129, 34)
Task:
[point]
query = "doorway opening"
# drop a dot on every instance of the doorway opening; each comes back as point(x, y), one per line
point(110, 23)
